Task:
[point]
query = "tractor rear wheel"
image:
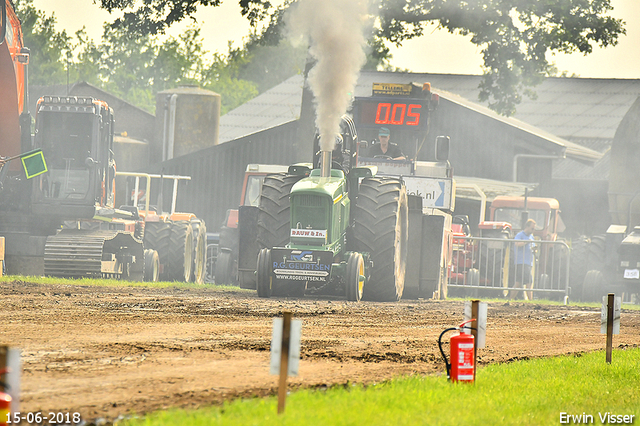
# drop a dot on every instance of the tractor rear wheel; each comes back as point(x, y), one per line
point(586, 254)
point(354, 281)
point(157, 236)
point(180, 252)
point(264, 273)
point(151, 265)
point(199, 251)
point(273, 211)
point(593, 287)
point(381, 229)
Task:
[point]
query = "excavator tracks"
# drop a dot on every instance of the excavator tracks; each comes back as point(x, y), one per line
point(79, 253)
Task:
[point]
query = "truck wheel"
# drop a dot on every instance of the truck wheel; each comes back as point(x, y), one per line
point(180, 252)
point(157, 236)
point(151, 265)
point(273, 211)
point(593, 287)
point(199, 251)
point(223, 268)
point(264, 273)
point(354, 283)
point(381, 229)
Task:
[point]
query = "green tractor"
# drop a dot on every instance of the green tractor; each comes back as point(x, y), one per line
point(334, 230)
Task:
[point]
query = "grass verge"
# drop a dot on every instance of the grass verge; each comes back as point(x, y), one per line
point(533, 392)
point(100, 282)
point(629, 306)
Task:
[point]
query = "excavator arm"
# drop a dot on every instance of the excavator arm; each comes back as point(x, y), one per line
point(13, 60)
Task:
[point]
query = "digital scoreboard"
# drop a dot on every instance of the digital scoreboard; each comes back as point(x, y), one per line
point(409, 114)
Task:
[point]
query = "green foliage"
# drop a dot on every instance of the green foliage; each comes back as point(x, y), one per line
point(49, 48)
point(515, 35)
point(531, 392)
point(130, 65)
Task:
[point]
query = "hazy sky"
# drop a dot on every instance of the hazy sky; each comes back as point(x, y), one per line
point(436, 52)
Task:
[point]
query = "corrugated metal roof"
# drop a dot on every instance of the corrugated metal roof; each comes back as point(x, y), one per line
point(564, 107)
point(276, 106)
point(281, 104)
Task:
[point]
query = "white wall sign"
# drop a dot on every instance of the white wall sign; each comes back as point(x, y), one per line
point(294, 346)
point(617, 306)
point(481, 324)
point(435, 193)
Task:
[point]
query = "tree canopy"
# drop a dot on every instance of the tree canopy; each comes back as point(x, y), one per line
point(515, 36)
point(130, 65)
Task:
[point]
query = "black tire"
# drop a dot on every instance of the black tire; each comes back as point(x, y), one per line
point(151, 265)
point(263, 272)
point(273, 211)
point(593, 286)
point(355, 269)
point(157, 236)
point(224, 265)
point(199, 268)
point(229, 241)
point(180, 252)
point(381, 229)
point(586, 254)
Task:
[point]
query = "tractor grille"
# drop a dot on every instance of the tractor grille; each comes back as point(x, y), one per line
point(309, 201)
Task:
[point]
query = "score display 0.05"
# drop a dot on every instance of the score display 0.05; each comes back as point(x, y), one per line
point(391, 113)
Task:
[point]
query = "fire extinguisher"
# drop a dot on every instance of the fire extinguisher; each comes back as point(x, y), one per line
point(5, 402)
point(462, 367)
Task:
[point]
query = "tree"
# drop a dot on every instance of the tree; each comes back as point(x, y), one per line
point(130, 65)
point(50, 50)
point(515, 35)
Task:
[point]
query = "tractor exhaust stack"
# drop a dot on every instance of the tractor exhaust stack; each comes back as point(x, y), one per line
point(325, 164)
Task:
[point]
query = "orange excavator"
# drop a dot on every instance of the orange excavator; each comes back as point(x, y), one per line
point(64, 222)
point(14, 114)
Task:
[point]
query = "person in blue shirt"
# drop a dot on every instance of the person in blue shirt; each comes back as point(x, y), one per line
point(523, 258)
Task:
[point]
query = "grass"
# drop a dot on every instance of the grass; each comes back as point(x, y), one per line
point(633, 307)
point(532, 392)
point(100, 282)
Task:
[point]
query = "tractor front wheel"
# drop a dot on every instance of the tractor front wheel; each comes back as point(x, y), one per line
point(355, 279)
point(199, 266)
point(151, 265)
point(157, 236)
point(264, 273)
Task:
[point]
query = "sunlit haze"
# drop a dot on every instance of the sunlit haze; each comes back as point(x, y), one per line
point(436, 52)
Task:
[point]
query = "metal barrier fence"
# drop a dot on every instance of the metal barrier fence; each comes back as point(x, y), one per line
point(487, 267)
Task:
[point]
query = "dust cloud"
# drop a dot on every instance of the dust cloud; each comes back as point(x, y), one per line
point(335, 31)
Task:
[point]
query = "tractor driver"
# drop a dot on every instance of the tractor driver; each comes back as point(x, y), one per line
point(386, 148)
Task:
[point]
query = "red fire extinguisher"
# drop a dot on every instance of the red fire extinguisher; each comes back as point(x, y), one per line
point(462, 367)
point(5, 402)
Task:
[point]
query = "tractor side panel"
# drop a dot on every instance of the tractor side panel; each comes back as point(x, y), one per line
point(414, 255)
point(431, 256)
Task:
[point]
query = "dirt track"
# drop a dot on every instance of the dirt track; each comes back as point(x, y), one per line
point(110, 351)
